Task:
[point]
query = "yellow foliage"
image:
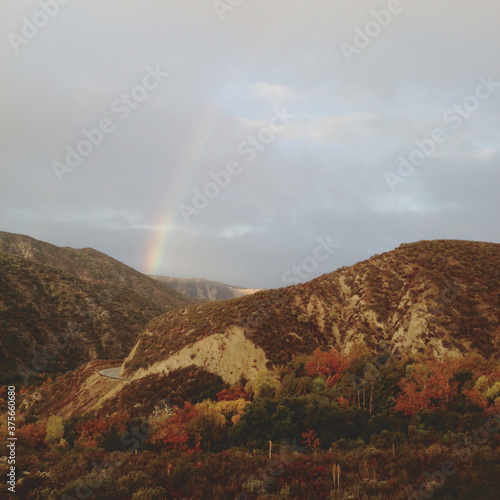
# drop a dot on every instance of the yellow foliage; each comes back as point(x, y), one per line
point(232, 410)
point(208, 413)
point(493, 392)
point(481, 384)
point(55, 430)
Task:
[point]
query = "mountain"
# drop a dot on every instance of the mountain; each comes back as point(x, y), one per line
point(440, 297)
point(89, 264)
point(361, 426)
point(83, 306)
point(204, 289)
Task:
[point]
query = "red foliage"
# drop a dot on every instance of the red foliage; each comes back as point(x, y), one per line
point(233, 393)
point(427, 387)
point(172, 434)
point(476, 396)
point(176, 437)
point(181, 416)
point(33, 435)
point(310, 439)
point(91, 432)
point(330, 365)
point(343, 402)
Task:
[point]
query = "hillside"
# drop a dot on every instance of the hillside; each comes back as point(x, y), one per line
point(89, 264)
point(204, 289)
point(88, 303)
point(378, 420)
point(438, 296)
point(42, 308)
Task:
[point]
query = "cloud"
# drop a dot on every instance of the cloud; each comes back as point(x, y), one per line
point(322, 175)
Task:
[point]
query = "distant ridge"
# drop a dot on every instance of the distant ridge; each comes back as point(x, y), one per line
point(205, 289)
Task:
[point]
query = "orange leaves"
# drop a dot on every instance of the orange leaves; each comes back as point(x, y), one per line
point(310, 439)
point(343, 402)
point(171, 433)
point(233, 393)
point(426, 387)
point(171, 437)
point(33, 435)
point(330, 365)
point(91, 433)
point(198, 426)
point(477, 397)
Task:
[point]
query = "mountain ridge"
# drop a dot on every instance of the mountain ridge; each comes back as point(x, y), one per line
point(440, 296)
point(90, 264)
point(205, 289)
point(61, 307)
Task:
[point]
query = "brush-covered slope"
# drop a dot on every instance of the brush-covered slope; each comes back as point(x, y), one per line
point(52, 321)
point(440, 295)
point(89, 264)
point(84, 390)
point(205, 289)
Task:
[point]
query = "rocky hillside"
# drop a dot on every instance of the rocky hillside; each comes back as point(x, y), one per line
point(441, 296)
point(205, 289)
point(89, 264)
point(61, 307)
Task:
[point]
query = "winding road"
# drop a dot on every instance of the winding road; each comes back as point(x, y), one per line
point(113, 373)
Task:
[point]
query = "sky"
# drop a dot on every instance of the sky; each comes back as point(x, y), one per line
point(250, 142)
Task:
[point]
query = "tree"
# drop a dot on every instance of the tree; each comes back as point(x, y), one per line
point(255, 426)
point(171, 431)
point(310, 439)
point(55, 430)
point(232, 410)
point(233, 393)
point(493, 392)
point(89, 432)
point(208, 423)
point(264, 385)
point(330, 365)
point(94, 433)
point(476, 396)
point(484, 394)
point(33, 435)
point(371, 375)
point(426, 387)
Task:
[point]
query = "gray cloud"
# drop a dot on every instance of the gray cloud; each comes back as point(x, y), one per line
point(322, 175)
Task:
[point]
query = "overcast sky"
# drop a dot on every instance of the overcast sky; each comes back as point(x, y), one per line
point(229, 140)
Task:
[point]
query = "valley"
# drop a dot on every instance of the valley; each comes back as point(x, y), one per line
point(383, 369)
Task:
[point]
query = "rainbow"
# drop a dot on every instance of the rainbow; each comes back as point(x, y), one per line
point(163, 227)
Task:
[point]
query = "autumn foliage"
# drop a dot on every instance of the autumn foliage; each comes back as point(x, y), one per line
point(92, 433)
point(426, 387)
point(34, 434)
point(312, 410)
point(171, 433)
point(329, 365)
point(310, 439)
point(233, 393)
